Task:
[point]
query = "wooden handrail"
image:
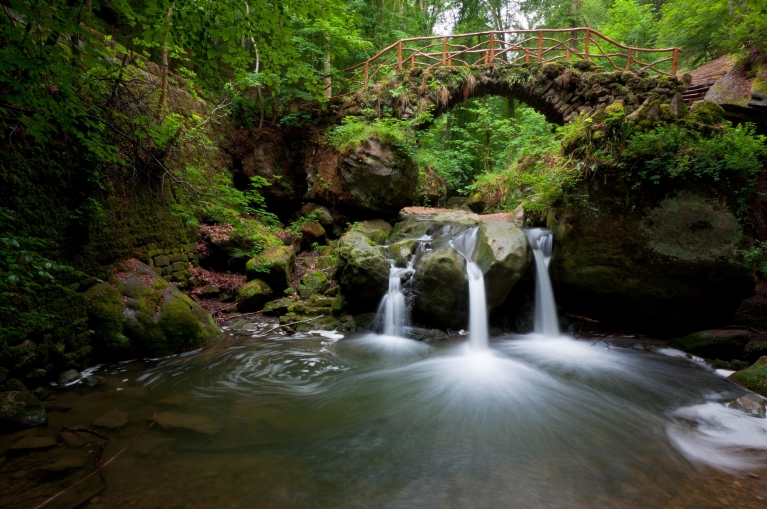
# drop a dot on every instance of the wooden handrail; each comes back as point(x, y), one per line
point(510, 47)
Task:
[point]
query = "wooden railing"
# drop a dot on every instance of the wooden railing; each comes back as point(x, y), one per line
point(514, 47)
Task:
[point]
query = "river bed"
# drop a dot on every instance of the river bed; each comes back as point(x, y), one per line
point(320, 420)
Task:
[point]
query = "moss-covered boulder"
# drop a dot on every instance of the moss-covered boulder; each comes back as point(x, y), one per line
point(232, 245)
point(252, 296)
point(755, 348)
point(312, 232)
point(707, 112)
point(753, 377)
point(441, 289)
point(503, 254)
point(155, 318)
point(278, 307)
point(274, 266)
point(313, 283)
point(321, 213)
point(376, 230)
point(19, 410)
point(364, 270)
point(105, 319)
point(725, 344)
point(662, 261)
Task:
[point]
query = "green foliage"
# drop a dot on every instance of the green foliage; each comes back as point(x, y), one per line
point(630, 22)
point(295, 226)
point(755, 258)
point(355, 131)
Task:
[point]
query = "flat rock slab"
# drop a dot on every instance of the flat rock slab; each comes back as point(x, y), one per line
point(32, 444)
point(198, 423)
point(112, 420)
point(64, 466)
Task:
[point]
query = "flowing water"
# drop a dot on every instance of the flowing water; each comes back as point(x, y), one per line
point(465, 244)
point(318, 421)
point(321, 420)
point(542, 244)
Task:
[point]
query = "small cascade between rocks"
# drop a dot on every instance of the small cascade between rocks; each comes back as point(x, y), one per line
point(465, 244)
point(393, 314)
point(546, 322)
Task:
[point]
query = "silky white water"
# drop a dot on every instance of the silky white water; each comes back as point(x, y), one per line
point(545, 317)
point(465, 244)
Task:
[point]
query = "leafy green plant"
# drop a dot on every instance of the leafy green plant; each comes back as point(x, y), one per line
point(755, 258)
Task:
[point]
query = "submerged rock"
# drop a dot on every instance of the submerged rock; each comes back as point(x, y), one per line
point(33, 443)
point(145, 315)
point(68, 376)
point(197, 423)
point(750, 404)
point(112, 420)
point(21, 409)
point(753, 377)
point(427, 335)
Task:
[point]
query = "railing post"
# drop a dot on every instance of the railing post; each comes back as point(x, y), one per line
point(444, 50)
point(674, 62)
point(492, 47)
point(412, 60)
point(540, 46)
point(567, 54)
point(586, 44)
point(628, 63)
point(527, 56)
point(399, 56)
point(367, 68)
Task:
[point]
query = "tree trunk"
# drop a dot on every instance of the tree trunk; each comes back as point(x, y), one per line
point(327, 78)
point(165, 64)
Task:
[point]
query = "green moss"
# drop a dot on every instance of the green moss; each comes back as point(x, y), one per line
point(253, 295)
point(105, 319)
point(707, 112)
point(753, 378)
point(313, 283)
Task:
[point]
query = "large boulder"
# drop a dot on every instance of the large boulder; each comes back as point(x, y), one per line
point(375, 179)
point(503, 254)
point(441, 290)
point(274, 266)
point(668, 262)
point(364, 270)
point(232, 245)
point(153, 318)
point(19, 410)
point(724, 344)
point(267, 154)
point(252, 296)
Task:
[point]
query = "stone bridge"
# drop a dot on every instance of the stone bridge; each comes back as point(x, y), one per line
point(558, 90)
point(559, 72)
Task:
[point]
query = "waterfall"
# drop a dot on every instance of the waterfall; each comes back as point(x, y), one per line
point(393, 313)
point(465, 245)
point(546, 322)
point(393, 309)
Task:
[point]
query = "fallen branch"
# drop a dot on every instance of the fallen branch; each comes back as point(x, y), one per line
point(581, 318)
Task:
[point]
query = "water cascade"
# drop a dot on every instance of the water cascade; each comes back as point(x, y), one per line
point(465, 244)
point(393, 312)
point(542, 242)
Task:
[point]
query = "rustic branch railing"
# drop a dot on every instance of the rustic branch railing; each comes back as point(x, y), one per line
point(514, 47)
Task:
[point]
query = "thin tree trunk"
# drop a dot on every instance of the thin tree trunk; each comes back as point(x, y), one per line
point(326, 77)
point(165, 64)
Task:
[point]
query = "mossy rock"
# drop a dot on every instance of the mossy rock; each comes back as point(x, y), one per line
point(105, 319)
point(753, 377)
point(19, 410)
point(377, 230)
point(503, 254)
point(441, 289)
point(714, 344)
point(707, 112)
point(274, 266)
point(252, 296)
point(402, 251)
point(278, 307)
point(756, 348)
point(365, 271)
point(311, 232)
point(323, 214)
point(313, 283)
